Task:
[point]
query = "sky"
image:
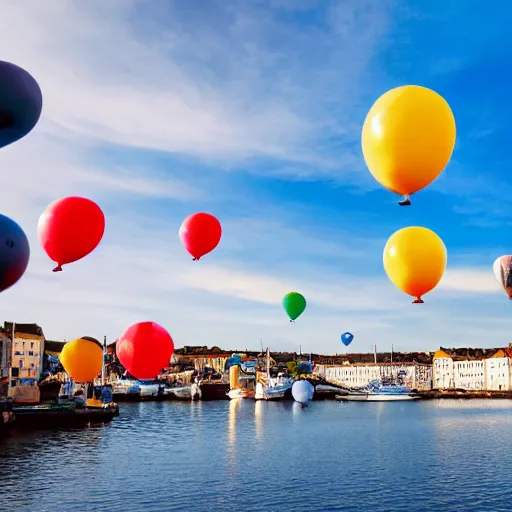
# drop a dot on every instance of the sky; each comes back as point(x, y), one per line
point(252, 110)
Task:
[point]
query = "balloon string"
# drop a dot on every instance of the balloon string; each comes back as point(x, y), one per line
point(58, 268)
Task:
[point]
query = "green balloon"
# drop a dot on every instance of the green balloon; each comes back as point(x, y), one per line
point(294, 304)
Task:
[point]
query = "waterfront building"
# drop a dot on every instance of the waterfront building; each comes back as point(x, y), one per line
point(443, 370)
point(413, 375)
point(497, 369)
point(470, 374)
point(473, 369)
point(27, 351)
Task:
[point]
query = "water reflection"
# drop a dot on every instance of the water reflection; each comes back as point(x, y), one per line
point(234, 406)
point(217, 456)
point(258, 419)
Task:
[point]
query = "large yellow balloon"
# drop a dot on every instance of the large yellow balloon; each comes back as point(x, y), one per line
point(82, 359)
point(415, 260)
point(408, 138)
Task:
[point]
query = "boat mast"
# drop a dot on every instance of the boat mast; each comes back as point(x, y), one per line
point(103, 360)
point(391, 364)
point(268, 363)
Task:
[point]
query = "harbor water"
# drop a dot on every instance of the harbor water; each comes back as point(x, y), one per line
point(254, 456)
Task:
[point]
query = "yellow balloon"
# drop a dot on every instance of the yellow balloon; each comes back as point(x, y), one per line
point(408, 138)
point(82, 359)
point(415, 260)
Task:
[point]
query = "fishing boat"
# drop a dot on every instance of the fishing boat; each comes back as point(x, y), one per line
point(376, 391)
point(241, 382)
point(268, 388)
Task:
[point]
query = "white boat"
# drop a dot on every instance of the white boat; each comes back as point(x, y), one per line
point(241, 386)
point(148, 389)
point(268, 388)
point(178, 392)
point(237, 393)
point(378, 392)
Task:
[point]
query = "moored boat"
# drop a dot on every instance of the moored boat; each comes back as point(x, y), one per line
point(62, 415)
point(238, 393)
point(379, 392)
point(180, 392)
point(268, 388)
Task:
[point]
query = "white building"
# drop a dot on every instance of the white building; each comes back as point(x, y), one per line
point(473, 373)
point(497, 371)
point(470, 374)
point(358, 375)
point(443, 370)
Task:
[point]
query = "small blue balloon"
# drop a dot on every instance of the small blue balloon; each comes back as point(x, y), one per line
point(346, 338)
point(21, 102)
point(14, 252)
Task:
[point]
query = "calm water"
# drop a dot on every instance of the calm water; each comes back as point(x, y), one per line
point(247, 456)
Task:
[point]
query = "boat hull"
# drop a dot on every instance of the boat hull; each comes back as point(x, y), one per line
point(214, 391)
point(238, 394)
point(178, 393)
point(375, 397)
point(35, 418)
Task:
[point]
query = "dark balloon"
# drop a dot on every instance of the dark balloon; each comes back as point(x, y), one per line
point(346, 338)
point(21, 102)
point(14, 252)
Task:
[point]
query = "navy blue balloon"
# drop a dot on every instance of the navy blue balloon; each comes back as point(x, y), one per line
point(346, 338)
point(21, 102)
point(14, 252)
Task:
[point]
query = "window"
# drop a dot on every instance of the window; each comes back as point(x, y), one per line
point(15, 372)
point(30, 353)
point(19, 353)
point(13, 383)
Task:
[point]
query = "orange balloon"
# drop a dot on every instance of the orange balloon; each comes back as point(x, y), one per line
point(415, 260)
point(82, 359)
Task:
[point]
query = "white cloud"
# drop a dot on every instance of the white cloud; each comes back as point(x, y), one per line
point(229, 84)
point(470, 281)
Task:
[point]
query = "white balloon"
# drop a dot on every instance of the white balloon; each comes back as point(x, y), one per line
point(302, 391)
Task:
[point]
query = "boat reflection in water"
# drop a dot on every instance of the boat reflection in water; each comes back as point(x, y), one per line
point(258, 420)
point(376, 391)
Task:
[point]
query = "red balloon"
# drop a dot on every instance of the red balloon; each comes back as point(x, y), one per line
point(70, 228)
point(200, 233)
point(144, 349)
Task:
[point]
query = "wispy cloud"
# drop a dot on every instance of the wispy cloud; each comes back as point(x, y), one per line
point(470, 280)
point(233, 83)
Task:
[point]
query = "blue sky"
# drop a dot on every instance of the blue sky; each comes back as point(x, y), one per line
point(252, 110)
